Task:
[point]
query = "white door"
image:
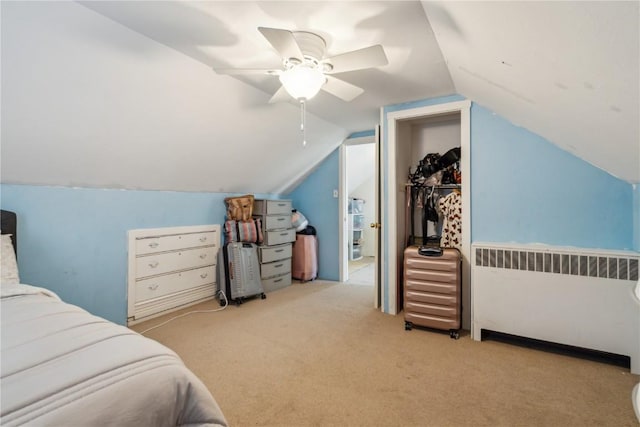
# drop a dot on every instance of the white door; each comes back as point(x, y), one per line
point(376, 225)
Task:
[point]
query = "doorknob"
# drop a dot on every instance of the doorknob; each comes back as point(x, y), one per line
point(375, 225)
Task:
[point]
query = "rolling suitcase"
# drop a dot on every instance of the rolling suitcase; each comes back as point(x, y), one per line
point(432, 289)
point(239, 272)
point(304, 260)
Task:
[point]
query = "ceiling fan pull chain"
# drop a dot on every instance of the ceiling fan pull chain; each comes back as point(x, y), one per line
point(302, 122)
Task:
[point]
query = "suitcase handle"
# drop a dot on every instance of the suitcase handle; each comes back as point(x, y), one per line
point(427, 251)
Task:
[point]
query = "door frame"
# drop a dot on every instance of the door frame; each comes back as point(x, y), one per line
point(343, 203)
point(390, 254)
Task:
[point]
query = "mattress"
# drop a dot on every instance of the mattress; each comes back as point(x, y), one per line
point(64, 366)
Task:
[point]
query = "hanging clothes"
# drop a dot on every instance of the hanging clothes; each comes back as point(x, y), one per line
point(451, 209)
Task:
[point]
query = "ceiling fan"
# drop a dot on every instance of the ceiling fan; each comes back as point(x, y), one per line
point(306, 70)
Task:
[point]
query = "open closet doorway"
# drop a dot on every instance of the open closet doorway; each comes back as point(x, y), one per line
point(411, 133)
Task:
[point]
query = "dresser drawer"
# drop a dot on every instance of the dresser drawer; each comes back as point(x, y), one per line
point(271, 207)
point(151, 265)
point(159, 286)
point(276, 268)
point(276, 222)
point(274, 253)
point(276, 282)
point(279, 237)
point(151, 245)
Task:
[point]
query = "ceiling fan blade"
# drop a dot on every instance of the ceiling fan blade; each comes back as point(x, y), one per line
point(237, 71)
point(280, 96)
point(341, 89)
point(283, 41)
point(368, 57)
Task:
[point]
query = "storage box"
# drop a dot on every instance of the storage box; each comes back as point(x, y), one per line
point(356, 206)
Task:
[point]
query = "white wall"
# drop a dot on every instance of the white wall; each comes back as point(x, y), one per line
point(87, 102)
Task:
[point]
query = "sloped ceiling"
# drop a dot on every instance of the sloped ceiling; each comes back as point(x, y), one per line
point(121, 94)
point(568, 71)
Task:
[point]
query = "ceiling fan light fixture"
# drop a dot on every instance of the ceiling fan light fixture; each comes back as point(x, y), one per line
point(302, 82)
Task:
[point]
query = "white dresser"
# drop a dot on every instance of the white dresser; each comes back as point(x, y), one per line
point(278, 233)
point(170, 268)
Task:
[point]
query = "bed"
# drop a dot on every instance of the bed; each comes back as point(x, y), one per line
point(63, 366)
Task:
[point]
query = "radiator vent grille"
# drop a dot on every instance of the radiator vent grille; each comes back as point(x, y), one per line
point(588, 265)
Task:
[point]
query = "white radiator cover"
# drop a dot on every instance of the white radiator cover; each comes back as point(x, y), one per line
point(571, 296)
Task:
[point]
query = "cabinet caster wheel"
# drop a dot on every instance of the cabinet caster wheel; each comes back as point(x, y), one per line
point(263, 296)
point(454, 335)
point(408, 326)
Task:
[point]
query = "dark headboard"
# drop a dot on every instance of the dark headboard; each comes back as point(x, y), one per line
point(9, 225)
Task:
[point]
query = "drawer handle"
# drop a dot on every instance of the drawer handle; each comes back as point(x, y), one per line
point(284, 234)
point(153, 244)
point(204, 275)
point(280, 219)
point(282, 204)
point(276, 281)
point(278, 265)
point(153, 264)
point(153, 287)
point(203, 256)
point(279, 250)
point(203, 239)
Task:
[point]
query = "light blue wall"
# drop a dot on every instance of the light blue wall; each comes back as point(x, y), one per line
point(527, 190)
point(362, 134)
point(74, 241)
point(524, 190)
point(314, 198)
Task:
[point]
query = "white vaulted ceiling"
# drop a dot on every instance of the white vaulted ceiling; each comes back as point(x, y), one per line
point(121, 94)
point(568, 71)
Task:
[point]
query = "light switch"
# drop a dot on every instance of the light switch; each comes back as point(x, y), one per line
point(335, 194)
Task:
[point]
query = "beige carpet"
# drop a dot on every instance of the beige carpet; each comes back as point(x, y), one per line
point(318, 354)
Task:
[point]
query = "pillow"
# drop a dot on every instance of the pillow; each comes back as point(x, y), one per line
point(8, 263)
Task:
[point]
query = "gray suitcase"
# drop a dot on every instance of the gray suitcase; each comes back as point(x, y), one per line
point(432, 289)
point(239, 272)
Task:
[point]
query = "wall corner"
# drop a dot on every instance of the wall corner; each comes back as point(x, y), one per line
point(636, 217)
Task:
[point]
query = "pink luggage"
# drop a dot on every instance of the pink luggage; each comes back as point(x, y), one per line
point(304, 262)
point(432, 289)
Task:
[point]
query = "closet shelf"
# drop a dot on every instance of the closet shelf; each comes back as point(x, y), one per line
point(442, 186)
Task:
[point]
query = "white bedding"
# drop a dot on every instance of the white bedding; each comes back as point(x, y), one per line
point(13, 290)
point(64, 366)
